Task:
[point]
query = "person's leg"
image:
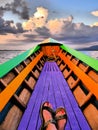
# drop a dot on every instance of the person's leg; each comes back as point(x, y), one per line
point(61, 118)
point(47, 117)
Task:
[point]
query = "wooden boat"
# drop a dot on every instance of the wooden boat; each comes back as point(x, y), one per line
point(50, 72)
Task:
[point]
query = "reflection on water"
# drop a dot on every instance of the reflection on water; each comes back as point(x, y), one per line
point(6, 55)
point(93, 54)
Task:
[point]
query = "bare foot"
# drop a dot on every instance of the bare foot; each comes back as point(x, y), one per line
point(61, 118)
point(47, 116)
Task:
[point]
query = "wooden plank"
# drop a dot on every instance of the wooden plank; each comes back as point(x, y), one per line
point(93, 75)
point(42, 98)
point(7, 93)
point(70, 103)
point(35, 101)
point(60, 98)
point(53, 90)
point(14, 114)
point(67, 73)
point(12, 119)
point(91, 85)
point(91, 113)
point(27, 86)
point(19, 102)
point(34, 122)
point(16, 98)
point(72, 82)
point(34, 75)
point(4, 84)
point(45, 97)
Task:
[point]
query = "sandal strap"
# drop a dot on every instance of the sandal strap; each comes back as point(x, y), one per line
point(48, 109)
point(48, 122)
point(61, 117)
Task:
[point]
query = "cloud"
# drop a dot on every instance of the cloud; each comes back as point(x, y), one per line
point(39, 27)
point(10, 27)
point(21, 41)
point(95, 13)
point(41, 12)
point(1, 11)
point(37, 20)
point(95, 24)
point(64, 29)
point(18, 7)
point(58, 26)
point(4, 2)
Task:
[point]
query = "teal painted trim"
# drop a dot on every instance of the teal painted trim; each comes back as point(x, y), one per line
point(9, 65)
point(86, 59)
point(53, 40)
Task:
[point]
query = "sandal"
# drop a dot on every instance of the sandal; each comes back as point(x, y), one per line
point(45, 124)
point(60, 117)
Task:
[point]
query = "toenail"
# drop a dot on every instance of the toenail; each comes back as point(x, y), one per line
point(47, 103)
point(62, 111)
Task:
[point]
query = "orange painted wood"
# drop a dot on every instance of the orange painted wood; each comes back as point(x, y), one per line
point(93, 75)
point(51, 50)
point(8, 92)
point(90, 84)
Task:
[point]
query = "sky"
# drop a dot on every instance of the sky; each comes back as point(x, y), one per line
point(24, 23)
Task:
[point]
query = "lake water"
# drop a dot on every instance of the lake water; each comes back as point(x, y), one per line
point(7, 55)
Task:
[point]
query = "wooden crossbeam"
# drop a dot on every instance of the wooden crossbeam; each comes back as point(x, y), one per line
point(4, 84)
point(16, 98)
point(91, 85)
point(8, 92)
point(25, 81)
point(19, 102)
point(28, 86)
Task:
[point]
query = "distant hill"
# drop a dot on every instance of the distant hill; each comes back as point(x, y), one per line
point(92, 48)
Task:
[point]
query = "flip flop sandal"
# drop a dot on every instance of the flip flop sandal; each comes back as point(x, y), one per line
point(60, 117)
point(44, 125)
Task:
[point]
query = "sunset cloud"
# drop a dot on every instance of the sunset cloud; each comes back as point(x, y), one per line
point(95, 24)
point(28, 25)
point(95, 13)
point(6, 38)
point(56, 26)
point(41, 12)
point(37, 20)
point(40, 20)
point(40, 26)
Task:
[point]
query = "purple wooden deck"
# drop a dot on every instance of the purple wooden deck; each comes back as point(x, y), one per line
point(52, 87)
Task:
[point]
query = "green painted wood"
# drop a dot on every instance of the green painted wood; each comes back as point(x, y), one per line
point(86, 59)
point(9, 65)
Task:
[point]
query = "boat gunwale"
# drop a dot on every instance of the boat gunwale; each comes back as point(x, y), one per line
point(83, 57)
point(14, 85)
point(10, 64)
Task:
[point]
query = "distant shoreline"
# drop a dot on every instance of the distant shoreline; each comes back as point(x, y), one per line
point(12, 50)
point(74, 49)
